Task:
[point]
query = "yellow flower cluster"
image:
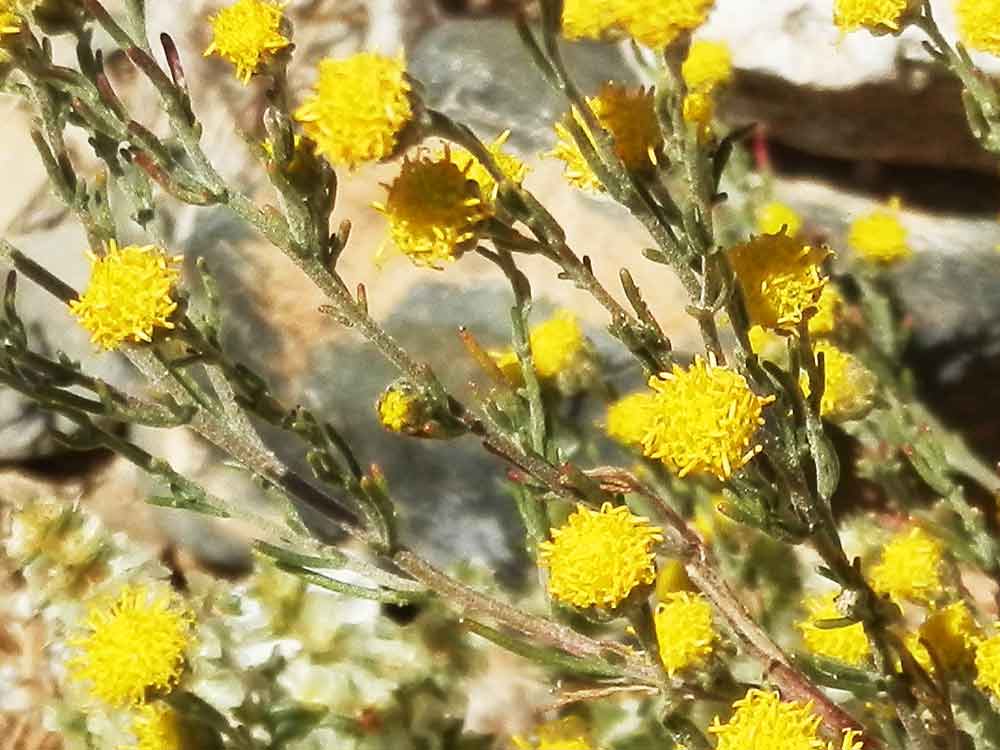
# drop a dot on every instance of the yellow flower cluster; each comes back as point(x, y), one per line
point(629, 418)
point(570, 733)
point(848, 644)
point(951, 632)
point(655, 23)
point(979, 24)
point(684, 630)
point(557, 345)
point(782, 279)
point(879, 237)
point(828, 310)
point(157, 727)
point(129, 295)
point(596, 558)
point(849, 386)
point(988, 665)
point(909, 567)
point(629, 117)
point(775, 216)
point(133, 644)
point(246, 34)
point(10, 19)
point(396, 410)
point(513, 168)
point(357, 109)
point(433, 215)
point(708, 66)
point(875, 15)
point(762, 720)
point(699, 420)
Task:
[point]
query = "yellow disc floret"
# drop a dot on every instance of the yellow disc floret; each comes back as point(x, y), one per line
point(657, 23)
point(979, 24)
point(357, 109)
point(774, 217)
point(556, 343)
point(847, 643)
point(988, 665)
point(762, 721)
point(246, 34)
point(432, 213)
point(513, 168)
point(588, 19)
point(699, 109)
point(629, 418)
point(828, 310)
point(782, 279)
point(910, 567)
point(705, 421)
point(879, 236)
point(951, 633)
point(684, 631)
point(129, 295)
point(156, 727)
point(849, 386)
point(875, 15)
point(569, 733)
point(395, 410)
point(596, 558)
point(629, 117)
point(708, 64)
point(10, 19)
point(132, 645)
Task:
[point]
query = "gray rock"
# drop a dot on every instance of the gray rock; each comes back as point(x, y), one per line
point(851, 96)
point(479, 72)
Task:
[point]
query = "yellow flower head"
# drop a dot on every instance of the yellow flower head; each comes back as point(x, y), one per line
point(557, 346)
point(156, 727)
point(708, 64)
point(246, 33)
point(10, 18)
point(128, 295)
point(684, 631)
point(657, 23)
point(849, 388)
point(699, 109)
point(671, 579)
point(588, 19)
point(879, 236)
point(132, 645)
point(762, 721)
point(979, 24)
point(705, 420)
point(596, 558)
point(628, 115)
point(910, 567)
point(396, 410)
point(848, 644)
point(951, 632)
point(781, 277)
point(629, 418)
point(775, 216)
point(988, 665)
point(828, 311)
point(357, 109)
point(874, 15)
point(513, 168)
point(570, 733)
point(432, 214)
